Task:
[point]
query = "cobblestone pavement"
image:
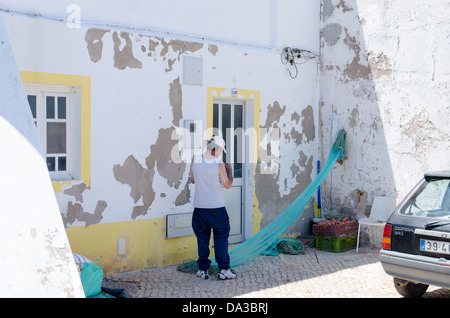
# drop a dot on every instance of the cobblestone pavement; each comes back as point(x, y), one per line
point(332, 275)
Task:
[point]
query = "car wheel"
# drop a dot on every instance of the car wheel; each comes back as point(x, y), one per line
point(409, 289)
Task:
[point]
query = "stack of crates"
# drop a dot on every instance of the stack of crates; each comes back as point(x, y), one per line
point(337, 237)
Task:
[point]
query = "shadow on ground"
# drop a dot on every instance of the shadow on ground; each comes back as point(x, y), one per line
point(314, 274)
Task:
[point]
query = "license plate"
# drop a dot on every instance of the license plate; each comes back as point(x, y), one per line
point(435, 246)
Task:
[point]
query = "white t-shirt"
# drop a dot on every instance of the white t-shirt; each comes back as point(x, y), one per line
point(208, 187)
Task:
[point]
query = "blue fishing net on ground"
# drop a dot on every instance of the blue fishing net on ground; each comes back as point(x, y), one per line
point(266, 240)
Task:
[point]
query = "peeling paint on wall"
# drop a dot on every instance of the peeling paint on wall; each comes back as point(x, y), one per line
point(123, 48)
point(267, 185)
point(184, 196)
point(76, 191)
point(123, 43)
point(181, 47)
point(296, 135)
point(331, 33)
point(343, 6)
point(356, 204)
point(170, 63)
point(355, 69)
point(268, 192)
point(140, 179)
point(270, 159)
point(124, 58)
point(378, 80)
point(423, 134)
point(152, 45)
point(56, 255)
point(175, 99)
point(94, 42)
point(379, 65)
point(308, 126)
point(295, 117)
point(161, 157)
point(212, 48)
point(274, 114)
point(327, 9)
point(354, 118)
point(75, 212)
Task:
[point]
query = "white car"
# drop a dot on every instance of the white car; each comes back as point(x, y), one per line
point(416, 239)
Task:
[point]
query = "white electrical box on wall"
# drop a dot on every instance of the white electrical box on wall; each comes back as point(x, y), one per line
point(192, 134)
point(192, 70)
point(178, 225)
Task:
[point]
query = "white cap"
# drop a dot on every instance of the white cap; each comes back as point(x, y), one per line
point(218, 141)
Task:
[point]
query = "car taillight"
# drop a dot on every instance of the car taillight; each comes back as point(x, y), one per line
point(387, 237)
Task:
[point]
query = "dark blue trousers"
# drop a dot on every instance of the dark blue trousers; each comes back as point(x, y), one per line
point(203, 221)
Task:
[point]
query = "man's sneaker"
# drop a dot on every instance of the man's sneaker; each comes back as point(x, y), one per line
point(203, 274)
point(226, 274)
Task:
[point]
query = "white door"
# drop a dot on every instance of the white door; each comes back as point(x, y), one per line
point(228, 122)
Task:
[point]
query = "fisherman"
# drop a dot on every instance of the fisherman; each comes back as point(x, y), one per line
point(210, 175)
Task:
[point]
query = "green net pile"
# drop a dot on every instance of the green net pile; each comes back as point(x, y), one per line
point(270, 238)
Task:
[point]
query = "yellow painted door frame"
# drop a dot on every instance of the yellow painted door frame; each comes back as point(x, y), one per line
point(252, 98)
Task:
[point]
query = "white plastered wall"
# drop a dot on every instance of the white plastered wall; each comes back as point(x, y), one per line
point(36, 259)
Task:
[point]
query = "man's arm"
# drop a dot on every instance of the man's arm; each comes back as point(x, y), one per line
point(190, 171)
point(226, 174)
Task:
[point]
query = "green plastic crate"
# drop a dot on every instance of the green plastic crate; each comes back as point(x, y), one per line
point(338, 244)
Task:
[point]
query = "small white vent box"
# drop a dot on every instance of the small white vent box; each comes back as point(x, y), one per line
point(178, 225)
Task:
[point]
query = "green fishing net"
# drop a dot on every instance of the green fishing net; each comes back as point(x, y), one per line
point(270, 238)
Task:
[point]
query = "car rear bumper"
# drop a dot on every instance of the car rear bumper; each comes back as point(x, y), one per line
point(416, 268)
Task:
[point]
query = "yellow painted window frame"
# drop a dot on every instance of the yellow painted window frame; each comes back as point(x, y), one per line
point(84, 82)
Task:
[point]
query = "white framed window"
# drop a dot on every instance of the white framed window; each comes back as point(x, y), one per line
point(55, 111)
